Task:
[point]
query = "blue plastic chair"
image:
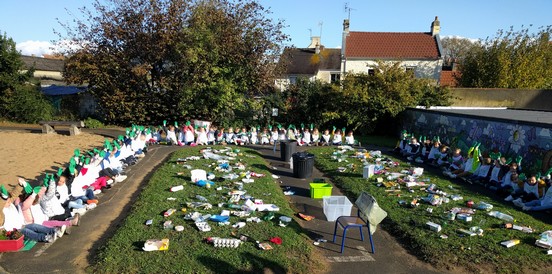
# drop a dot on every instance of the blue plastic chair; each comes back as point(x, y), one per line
point(363, 203)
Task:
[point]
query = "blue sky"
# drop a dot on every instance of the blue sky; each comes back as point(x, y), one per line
point(31, 22)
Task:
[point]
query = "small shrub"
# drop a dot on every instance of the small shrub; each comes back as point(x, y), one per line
point(93, 123)
point(28, 105)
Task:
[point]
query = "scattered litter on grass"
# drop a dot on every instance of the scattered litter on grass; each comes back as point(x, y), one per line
point(154, 245)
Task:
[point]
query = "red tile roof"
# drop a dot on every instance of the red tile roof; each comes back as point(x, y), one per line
point(448, 78)
point(392, 45)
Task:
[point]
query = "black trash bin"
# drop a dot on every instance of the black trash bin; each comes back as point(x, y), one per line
point(287, 148)
point(303, 164)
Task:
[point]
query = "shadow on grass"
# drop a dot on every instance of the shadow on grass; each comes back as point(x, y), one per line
point(258, 265)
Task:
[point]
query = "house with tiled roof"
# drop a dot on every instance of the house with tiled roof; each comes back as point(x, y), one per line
point(48, 70)
point(419, 52)
point(314, 62)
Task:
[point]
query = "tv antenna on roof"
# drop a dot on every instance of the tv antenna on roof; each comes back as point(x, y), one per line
point(310, 32)
point(348, 9)
point(320, 25)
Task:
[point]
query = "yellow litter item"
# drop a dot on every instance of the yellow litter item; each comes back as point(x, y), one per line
point(154, 245)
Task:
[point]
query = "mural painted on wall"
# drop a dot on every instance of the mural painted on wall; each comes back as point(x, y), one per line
point(510, 139)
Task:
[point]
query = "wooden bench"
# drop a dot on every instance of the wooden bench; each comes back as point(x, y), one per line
point(74, 126)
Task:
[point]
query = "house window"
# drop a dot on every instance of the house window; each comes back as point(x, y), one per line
point(371, 71)
point(334, 77)
point(293, 80)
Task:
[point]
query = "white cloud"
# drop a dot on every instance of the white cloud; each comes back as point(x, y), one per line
point(37, 48)
point(473, 40)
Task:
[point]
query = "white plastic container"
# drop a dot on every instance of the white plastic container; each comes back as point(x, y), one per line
point(335, 206)
point(198, 175)
point(368, 171)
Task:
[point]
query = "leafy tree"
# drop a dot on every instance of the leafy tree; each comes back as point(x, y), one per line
point(20, 100)
point(11, 75)
point(513, 59)
point(146, 61)
point(455, 49)
point(366, 99)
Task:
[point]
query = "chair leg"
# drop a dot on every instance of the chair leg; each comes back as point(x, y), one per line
point(361, 234)
point(371, 242)
point(335, 231)
point(343, 240)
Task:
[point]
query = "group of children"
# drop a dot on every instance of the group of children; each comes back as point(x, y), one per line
point(211, 135)
point(490, 169)
point(48, 210)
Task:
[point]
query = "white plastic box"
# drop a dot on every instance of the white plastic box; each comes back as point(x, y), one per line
point(335, 206)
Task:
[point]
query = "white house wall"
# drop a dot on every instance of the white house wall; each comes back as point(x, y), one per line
point(424, 69)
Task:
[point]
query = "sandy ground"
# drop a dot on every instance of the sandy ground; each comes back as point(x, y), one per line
point(30, 155)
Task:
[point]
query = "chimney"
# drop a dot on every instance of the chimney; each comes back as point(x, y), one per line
point(315, 41)
point(346, 25)
point(435, 26)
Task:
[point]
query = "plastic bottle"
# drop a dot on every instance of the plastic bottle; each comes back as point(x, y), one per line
point(177, 188)
point(501, 216)
point(201, 198)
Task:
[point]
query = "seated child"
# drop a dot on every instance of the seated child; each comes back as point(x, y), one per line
point(457, 162)
point(171, 135)
point(494, 179)
point(337, 138)
point(350, 139)
point(443, 157)
point(229, 136)
point(306, 138)
point(326, 138)
point(202, 137)
point(481, 174)
point(274, 136)
point(529, 192)
point(540, 204)
point(433, 152)
point(265, 137)
point(315, 137)
point(253, 138)
point(211, 138)
point(412, 150)
point(471, 164)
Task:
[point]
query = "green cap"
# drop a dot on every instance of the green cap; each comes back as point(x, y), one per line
point(4, 192)
point(96, 151)
point(60, 171)
point(121, 138)
point(127, 131)
point(188, 123)
point(116, 144)
point(36, 189)
point(102, 153)
point(87, 161)
point(77, 152)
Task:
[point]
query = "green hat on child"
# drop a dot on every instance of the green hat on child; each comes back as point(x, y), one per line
point(4, 192)
point(77, 152)
point(36, 189)
point(121, 138)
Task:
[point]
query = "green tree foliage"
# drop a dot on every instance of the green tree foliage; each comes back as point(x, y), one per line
point(513, 59)
point(11, 75)
point(309, 102)
point(360, 101)
point(20, 100)
point(146, 61)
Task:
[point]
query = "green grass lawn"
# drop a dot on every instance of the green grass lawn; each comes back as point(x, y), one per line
point(477, 253)
point(188, 252)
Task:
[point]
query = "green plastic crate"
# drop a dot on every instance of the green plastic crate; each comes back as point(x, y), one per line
point(319, 190)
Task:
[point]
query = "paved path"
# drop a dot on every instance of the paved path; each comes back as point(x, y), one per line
point(74, 253)
point(390, 256)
